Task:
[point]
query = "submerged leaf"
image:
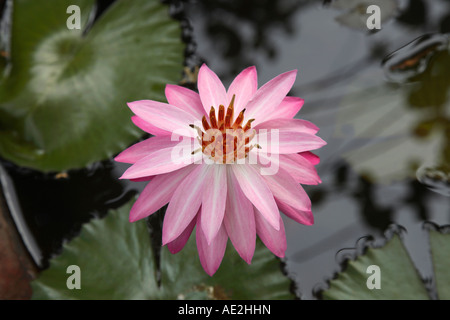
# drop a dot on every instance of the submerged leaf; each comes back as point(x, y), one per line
point(394, 131)
point(63, 99)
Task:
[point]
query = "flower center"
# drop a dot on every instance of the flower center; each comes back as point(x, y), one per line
point(223, 140)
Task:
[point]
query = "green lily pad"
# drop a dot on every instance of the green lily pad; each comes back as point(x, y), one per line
point(63, 97)
point(398, 277)
point(440, 246)
point(116, 262)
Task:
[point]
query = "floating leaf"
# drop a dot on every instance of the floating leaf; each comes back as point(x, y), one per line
point(399, 278)
point(116, 262)
point(440, 247)
point(63, 97)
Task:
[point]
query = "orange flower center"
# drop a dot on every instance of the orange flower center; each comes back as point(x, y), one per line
point(223, 140)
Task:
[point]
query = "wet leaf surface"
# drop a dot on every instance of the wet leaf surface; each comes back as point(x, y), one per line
point(63, 96)
point(440, 247)
point(398, 277)
point(116, 262)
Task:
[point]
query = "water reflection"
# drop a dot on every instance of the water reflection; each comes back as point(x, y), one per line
point(435, 179)
point(370, 123)
point(430, 96)
point(415, 13)
point(353, 13)
point(53, 206)
point(401, 126)
point(239, 31)
point(412, 59)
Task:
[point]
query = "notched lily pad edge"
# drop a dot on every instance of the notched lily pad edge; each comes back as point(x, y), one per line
point(294, 288)
point(432, 226)
point(364, 243)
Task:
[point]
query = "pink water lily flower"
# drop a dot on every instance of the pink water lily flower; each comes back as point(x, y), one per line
point(247, 161)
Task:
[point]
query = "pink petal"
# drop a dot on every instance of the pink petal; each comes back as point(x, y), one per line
point(147, 127)
point(256, 190)
point(287, 109)
point(179, 243)
point(148, 178)
point(184, 204)
point(211, 255)
point(185, 99)
point(213, 200)
point(299, 168)
point(286, 141)
point(311, 157)
point(158, 192)
point(303, 217)
point(275, 240)
point(164, 116)
point(239, 220)
point(243, 87)
point(287, 190)
point(159, 162)
point(291, 125)
point(211, 90)
point(269, 96)
point(144, 148)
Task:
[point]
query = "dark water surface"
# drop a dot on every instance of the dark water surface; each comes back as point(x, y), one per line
point(335, 62)
point(374, 95)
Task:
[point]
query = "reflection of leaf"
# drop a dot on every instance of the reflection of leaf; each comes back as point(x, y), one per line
point(396, 128)
point(355, 15)
point(116, 262)
point(63, 103)
point(380, 127)
point(398, 276)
